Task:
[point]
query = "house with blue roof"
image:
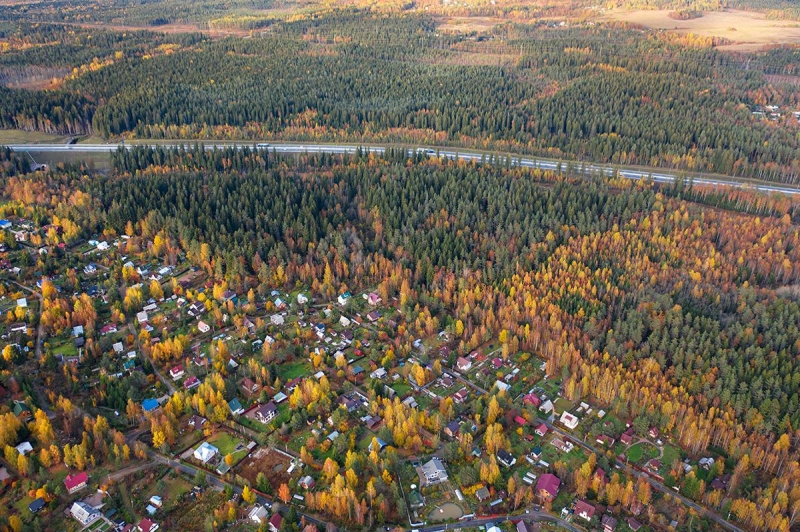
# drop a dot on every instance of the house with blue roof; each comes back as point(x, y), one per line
point(149, 405)
point(235, 406)
point(5, 224)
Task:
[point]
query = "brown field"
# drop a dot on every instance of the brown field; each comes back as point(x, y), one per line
point(747, 31)
point(271, 463)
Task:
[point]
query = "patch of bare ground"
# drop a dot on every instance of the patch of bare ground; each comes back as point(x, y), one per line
point(273, 464)
point(746, 30)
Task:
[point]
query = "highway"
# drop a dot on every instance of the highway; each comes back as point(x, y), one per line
point(657, 175)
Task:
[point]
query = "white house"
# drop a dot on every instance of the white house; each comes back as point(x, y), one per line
point(302, 299)
point(177, 372)
point(569, 420)
point(344, 321)
point(463, 364)
point(24, 448)
point(502, 386)
point(205, 452)
point(83, 513)
point(433, 471)
point(276, 319)
point(344, 298)
point(141, 317)
point(258, 514)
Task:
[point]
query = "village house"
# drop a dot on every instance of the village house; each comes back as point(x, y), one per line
point(205, 453)
point(547, 487)
point(608, 523)
point(24, 448)
point(546, 407)
point(585, 510)
point(373, 422)
point(76, 482)
point(452, 429)
point(373, 299)
point(258, 514)
point(627, 436)
point(432, 472)
point(36, 505)
point(276, 319)
point(203, 327)
point(177, 372)
point(463, 364)
point(373, 316)
point(83, 513)
point(302, 299)
point(531, 399)
point(146, 525)
point(307, 483)
point(191, 382)
point(605, 440)
point(266, 413)
point(460, 396)
point(541, 430)
point(506, 458)
point(343, 299)
point(196, 309)
point(250, 387)
point(235, 406)
point(275, 522)
point(569, 420)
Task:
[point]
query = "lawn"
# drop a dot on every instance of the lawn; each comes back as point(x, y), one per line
point(642, 452)
point(402, 388)
point(16, 136)
point(292, 370)
point(225, 442)
point(670, 454)
point(67, 349)
point(22, 505)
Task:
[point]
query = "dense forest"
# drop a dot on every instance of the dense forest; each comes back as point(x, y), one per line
point(601, 93)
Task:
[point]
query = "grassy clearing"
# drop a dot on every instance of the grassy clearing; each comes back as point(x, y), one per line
point(642, 452)
point(15, 136)
point(225, 442)
point(670, 454)
point(292, 370)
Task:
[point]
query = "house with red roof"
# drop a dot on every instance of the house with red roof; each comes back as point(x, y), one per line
point(176, 372)
point(275, 522)
point(541, 430)
point(146, 525)
point(627, 436)
point(532, 399)
point(77, 482)
point(547, 487)
point(585, 510)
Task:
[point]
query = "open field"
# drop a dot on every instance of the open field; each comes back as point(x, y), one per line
point(15, 136)
point(747, 30)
